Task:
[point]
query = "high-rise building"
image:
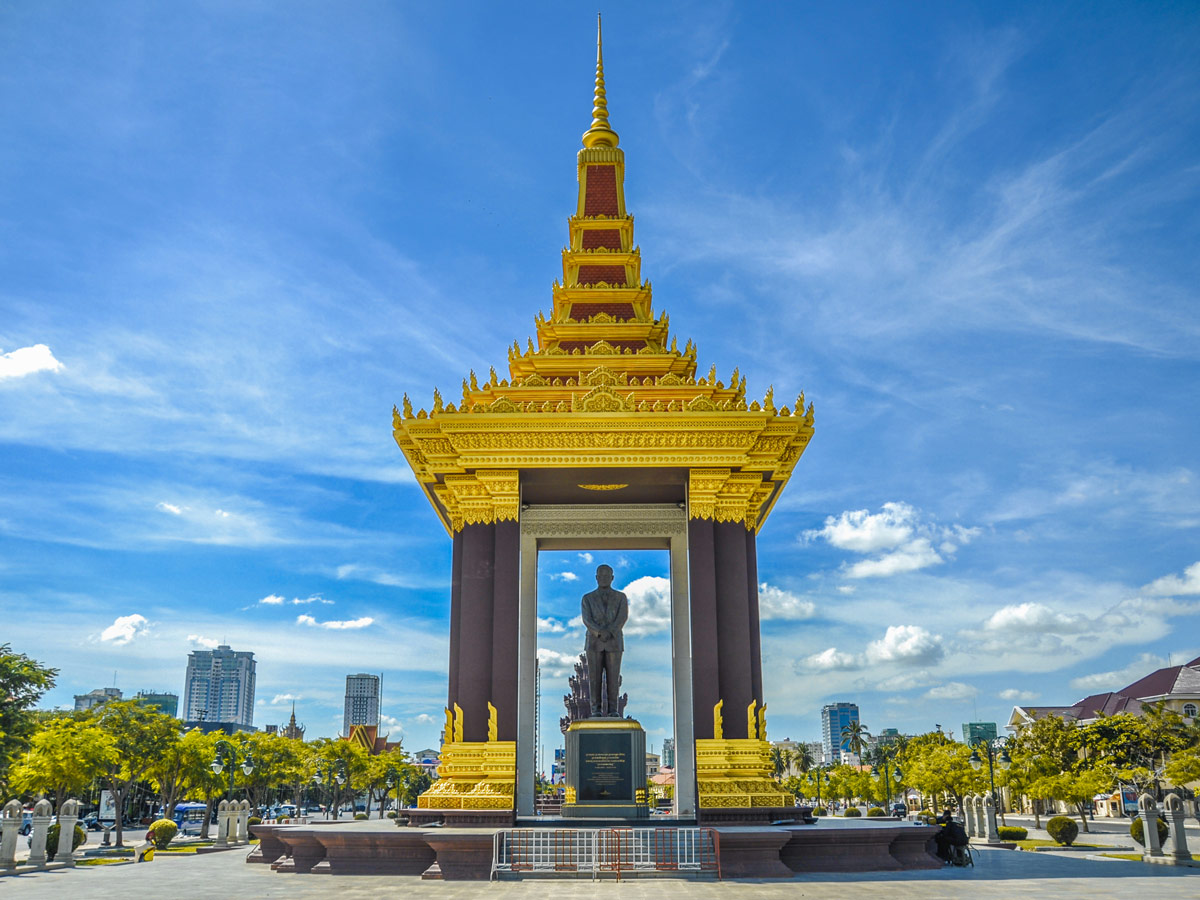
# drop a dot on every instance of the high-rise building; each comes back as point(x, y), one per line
point(978, 731)
point(219, 687)
point(362, 701)
point(164, 702)
point(96, 697)
point(835, 717)
point(668, 754)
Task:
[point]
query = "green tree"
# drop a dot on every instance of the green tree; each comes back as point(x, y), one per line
point(1184, 766)
point(326, 752)
point(180, 767)
point(278, 762)
point(139, 736)
point(65, 755)
point(375, 779)
point(22, 683)
point(802, 758)
point(1076, 788)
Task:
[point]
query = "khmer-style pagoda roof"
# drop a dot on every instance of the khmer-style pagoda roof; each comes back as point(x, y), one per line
point(605, 390)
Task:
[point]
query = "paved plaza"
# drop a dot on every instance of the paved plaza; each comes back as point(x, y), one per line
point(997, 874)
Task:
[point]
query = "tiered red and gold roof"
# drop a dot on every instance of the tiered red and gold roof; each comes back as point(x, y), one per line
point(605, 387)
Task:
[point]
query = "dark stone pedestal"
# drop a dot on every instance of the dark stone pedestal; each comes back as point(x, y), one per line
point(606, 767)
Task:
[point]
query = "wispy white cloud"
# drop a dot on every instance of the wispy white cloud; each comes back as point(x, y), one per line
point(1035, 617)
point(284, 698)
point(555, 663)
point(951, 691)
point(564, 576)
point(1018, 696)
point(777, 603)
point(1098, 682)
point(901, 541)
point(335, 625)
point(1173, 585)
point(201, 641)
point(27, 360)
point(169, 508)
point(272, 600)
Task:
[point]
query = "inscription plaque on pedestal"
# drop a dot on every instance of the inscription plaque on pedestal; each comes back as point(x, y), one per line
point(606, 769)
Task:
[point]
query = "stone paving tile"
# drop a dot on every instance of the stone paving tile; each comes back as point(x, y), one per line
point(997, 874)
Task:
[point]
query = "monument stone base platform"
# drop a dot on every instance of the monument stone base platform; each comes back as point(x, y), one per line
point(362, 848)
point(606, 770)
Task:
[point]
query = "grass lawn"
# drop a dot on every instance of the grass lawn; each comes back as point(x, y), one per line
point(1030, 843)
point(1133, 857)
point(104, 861)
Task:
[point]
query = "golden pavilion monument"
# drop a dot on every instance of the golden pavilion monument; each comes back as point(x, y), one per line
point(603, 411)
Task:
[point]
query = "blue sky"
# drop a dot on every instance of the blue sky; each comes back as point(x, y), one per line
point(234, 234)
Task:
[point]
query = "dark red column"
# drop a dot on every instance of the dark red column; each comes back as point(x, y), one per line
point(475, 629)
point(702, 587)
point(505, 628)
point(455, 617)
point(756, 685)
point(733, 626)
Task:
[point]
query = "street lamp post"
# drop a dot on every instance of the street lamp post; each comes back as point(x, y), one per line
point(335, 773)
point(227, 757)
point(997, 752)
point(393, 780)
point(884, 758)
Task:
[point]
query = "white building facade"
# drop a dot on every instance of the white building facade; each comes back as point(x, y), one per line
point(219, 686)
point(362, 701)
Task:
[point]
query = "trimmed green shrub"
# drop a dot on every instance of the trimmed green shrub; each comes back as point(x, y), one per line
point(1013, 833)
point(875, 811)
point(1063, 830)
point(820, 811)
point(162, 832)
point(52, 839)
point(360, 817)
point(852, 812)
point(391, 814)
point(927, 817)
point(1138, 832)
point(254, 820)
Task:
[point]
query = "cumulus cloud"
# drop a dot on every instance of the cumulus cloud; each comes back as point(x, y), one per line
point(284, 698)
point(272, 600)
point(1036, 618)
point(896, 538)
point(831, 660)
point(333, 625)
point(169, 508)
point(1018, 696)
point(776, 603)
point(909, 645)
point(1173, 584)
point(1118, 678)
point(425, 719)
point(124, 629)
point(649, 605)
point(587, 558)
point(27, 360)
point(201, 641)
point(564, 576)
point(951, 690)
point(555, 664)
point(550, 626)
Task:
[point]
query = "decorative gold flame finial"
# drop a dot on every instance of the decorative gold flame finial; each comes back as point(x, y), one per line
point(599, 135)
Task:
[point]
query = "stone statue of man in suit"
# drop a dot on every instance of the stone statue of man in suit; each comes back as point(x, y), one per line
point(604, 615)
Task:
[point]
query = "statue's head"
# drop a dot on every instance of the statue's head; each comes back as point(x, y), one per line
point(604, 576)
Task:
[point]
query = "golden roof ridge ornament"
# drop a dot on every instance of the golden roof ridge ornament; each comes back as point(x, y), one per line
point(600, 134)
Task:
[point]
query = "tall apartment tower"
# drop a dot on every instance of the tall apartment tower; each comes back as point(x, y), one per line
point(835, 717)
point(219, 687)
point(362, 701)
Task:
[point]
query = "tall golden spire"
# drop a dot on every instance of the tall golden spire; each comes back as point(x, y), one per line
point(599, 135)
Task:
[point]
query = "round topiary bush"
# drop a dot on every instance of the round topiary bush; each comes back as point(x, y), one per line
point(162, 832)
point(254, 820)
point(1138, 832)
point(52, 839)
point(1013, 833)
point(820, 811)
point(852, 812)
point(391, 814)
point(875, 811)
point(1063, 830)
point(360, 817)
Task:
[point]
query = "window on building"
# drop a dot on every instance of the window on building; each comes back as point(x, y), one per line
point(1189, 709)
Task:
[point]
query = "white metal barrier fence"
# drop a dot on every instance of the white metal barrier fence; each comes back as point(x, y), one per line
point(597, 850)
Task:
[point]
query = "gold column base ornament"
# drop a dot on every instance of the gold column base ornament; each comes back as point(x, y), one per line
point(474, 774)
point(736, 774)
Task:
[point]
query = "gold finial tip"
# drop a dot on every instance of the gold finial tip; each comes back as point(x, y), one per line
point(600, 134)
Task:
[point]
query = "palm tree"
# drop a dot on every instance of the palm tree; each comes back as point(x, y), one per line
point(854, 735)
point(802, 758)
point(781, 760)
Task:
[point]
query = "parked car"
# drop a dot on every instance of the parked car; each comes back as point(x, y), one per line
point(91, 822)
point(899, 810)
